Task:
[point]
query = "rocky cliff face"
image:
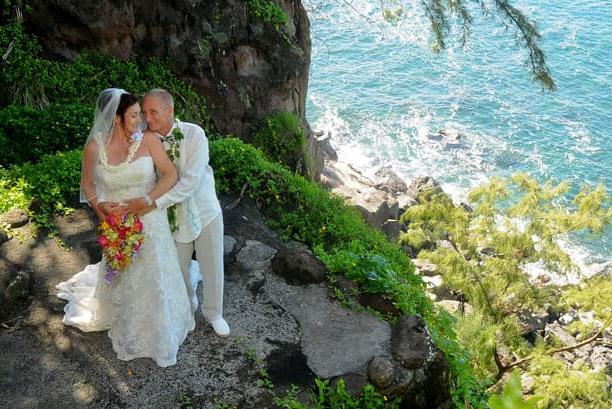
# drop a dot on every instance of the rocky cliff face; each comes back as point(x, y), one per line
point(245, 67)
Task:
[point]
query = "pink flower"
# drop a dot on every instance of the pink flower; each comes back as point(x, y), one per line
point(103, 241)
point(123, 232)
point(112, 220)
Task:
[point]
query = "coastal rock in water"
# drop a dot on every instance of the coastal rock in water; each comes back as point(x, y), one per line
point(391, 182)
point(422, 184)
point(298, 266)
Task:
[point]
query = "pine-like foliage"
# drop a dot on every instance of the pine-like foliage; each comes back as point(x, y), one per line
point(513, 223)
point(442, 14)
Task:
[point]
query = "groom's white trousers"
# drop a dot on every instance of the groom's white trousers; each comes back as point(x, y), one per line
point(209, 253)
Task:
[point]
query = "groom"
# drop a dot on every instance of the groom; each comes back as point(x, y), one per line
point(193, 208)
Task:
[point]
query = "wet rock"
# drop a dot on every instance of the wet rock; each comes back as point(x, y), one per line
point(422, 184)
point(391, 182)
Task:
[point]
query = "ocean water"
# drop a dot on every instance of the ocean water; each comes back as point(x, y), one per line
point(383, 95)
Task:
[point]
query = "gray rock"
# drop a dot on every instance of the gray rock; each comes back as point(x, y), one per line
point(353, 383)
point(425, 267)
point(391, 182)
point(228, 244)
point(528, 383)
point(410, 343)
point(299, 267)
point(404, 202)
point(566, 318)
point(381, 372)
point(255, 256)
point(601, 359)
point(336, 341)
point(423, 183)
point(15, 218)
point(435, 285)
point(391, 228)
point(445, 244)
point(533, 320)
point(560, 334)
point(377, 208)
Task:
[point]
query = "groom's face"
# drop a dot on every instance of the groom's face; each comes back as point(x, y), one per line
point(157, 113)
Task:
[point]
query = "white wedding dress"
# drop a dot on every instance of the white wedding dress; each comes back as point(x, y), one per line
point(146, 310)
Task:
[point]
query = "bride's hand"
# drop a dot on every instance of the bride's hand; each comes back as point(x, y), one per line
point(109, 207)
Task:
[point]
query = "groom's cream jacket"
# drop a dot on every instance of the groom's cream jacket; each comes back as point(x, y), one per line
point(195, 189)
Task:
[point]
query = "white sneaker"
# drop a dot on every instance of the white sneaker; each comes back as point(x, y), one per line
point(220, 327)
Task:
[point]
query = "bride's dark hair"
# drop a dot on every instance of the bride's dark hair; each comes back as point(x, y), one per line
point(126, 101)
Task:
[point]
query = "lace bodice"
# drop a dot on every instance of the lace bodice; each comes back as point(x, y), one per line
point(125, 181)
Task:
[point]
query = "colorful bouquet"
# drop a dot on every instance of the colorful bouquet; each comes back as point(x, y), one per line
point(120, 236)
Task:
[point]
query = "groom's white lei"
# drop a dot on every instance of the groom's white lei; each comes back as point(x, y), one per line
point(174, 140)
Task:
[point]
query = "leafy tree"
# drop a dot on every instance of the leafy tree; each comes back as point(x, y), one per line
point(513, 223)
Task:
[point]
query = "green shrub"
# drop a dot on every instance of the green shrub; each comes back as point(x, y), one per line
point(33, 81)
point(266, 11)
point(281, 138)
point(26, 134)
point(305, 211)
point(47, 187)
point(327, 396)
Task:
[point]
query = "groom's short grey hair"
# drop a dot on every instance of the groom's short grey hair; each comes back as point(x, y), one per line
point(163, 94)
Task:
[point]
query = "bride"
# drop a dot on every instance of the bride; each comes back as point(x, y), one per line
point(146, 310)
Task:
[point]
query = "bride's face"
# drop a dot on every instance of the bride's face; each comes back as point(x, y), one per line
point(131, 119)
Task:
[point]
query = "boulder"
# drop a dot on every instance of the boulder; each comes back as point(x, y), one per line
point(254, 256)
point(15, 218)
point(411, 345)
point(559, 333)
point(299, 266)
point(244, 67)
point(228, 244)
point(601, 359)
point(381, 372)
point(425, 267)
point(378, 302)
point(422, 184)
point(390, 181)
point(353, 383)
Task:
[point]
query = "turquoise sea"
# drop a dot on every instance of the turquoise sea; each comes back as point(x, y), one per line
point(382, 95)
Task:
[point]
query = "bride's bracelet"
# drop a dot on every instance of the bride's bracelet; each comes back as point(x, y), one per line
point(148, 200)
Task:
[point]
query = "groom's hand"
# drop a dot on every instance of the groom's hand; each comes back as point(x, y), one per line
point(138, 206)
